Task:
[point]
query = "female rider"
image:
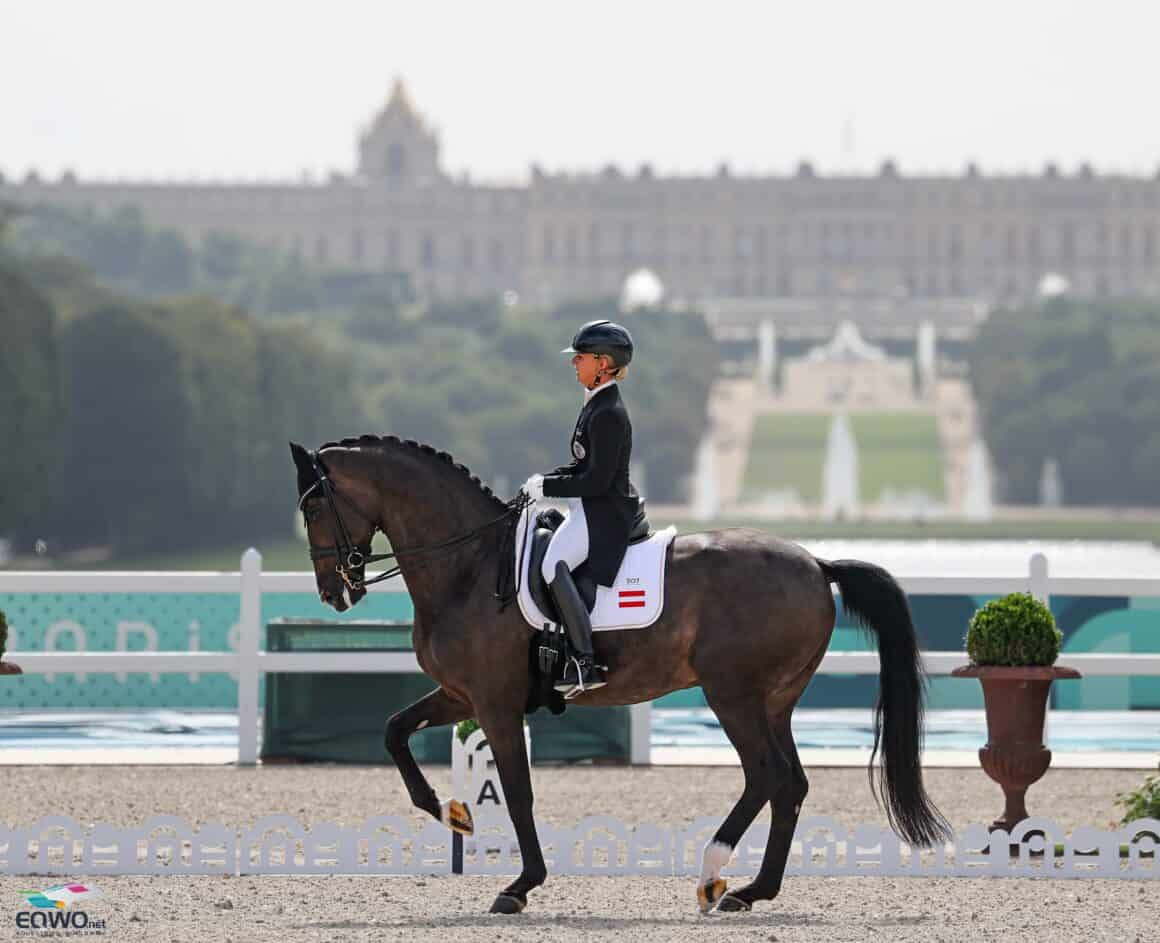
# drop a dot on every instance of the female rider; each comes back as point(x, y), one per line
point(602, 503)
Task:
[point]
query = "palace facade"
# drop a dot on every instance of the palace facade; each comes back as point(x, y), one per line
point(800, 238)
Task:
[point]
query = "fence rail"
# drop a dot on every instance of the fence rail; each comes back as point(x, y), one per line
point(249, 662)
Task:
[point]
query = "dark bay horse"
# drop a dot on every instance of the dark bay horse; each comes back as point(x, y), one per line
point(747, 616)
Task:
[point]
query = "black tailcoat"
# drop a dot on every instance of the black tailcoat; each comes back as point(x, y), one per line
point(601, 447)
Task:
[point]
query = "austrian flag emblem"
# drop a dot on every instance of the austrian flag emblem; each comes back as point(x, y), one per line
point(632, 599)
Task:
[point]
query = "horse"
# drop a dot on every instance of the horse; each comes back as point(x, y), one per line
point(747, 617)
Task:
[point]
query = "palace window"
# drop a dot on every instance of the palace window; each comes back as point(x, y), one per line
point(1067, 242)
point(628, 247)
point(467, 252)
point(1033, 243)
point(549, 244)
point(956, 244)
point(594, 242)
point(427, 251)
point(1011, 245)
point(356, 247)
point(742, 244)
point(932, 243)
point(495, 253)
point(396, 160)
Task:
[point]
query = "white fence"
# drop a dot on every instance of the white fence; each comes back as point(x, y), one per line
point(250, 661)
point(597, 845)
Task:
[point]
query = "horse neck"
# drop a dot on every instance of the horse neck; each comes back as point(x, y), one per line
point(426, 502)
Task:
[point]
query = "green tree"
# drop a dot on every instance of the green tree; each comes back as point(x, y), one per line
point(167, 264)
point(125, 482)
point(30, 391)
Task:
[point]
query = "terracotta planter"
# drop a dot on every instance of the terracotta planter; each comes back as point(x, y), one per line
point(1016, 704)
point(7, 668)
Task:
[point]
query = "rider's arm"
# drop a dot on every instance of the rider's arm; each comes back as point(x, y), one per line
point(594, 476)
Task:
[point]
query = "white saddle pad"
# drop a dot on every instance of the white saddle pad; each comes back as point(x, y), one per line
point(634, 601)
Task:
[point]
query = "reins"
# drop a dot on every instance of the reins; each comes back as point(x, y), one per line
point(356, 557)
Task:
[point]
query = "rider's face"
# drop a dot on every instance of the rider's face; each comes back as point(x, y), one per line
point(587, 367)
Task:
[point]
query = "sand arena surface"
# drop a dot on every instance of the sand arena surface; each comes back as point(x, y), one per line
point(447, 909)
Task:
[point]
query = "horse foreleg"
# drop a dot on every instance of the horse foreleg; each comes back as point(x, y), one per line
point(505, 736)
point(432, 710)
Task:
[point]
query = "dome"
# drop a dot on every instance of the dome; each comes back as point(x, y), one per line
point(642, 289)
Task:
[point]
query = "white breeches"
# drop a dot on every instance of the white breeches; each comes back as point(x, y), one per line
point(569, 543)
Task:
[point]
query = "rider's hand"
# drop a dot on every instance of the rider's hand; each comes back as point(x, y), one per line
point(534, 487)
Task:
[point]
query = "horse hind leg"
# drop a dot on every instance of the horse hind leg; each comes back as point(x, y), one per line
point(788, 789)
point(744, 724)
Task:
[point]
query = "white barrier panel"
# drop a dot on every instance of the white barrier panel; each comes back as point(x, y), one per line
point(597, 845)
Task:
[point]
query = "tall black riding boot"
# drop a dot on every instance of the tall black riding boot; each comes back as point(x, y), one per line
point(581, 673)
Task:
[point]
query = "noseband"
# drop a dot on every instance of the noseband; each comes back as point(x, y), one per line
point(352, 557)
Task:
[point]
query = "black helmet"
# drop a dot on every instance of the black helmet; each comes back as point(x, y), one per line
point(603, 337)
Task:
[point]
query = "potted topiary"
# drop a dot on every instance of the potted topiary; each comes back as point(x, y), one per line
point(1013, 643)
point(6, 667)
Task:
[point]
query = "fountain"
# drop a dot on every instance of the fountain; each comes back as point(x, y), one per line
point(706, 494)
point(766, 354)
point(926, 353)
point(840, 474)
point(977, 501)
point(1051, 484)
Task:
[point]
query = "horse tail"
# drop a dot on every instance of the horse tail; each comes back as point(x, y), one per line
point(876, 601)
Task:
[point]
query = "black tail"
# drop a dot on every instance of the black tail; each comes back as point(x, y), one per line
point(877, 602)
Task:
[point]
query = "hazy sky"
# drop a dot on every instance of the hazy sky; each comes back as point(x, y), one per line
point(269, 88)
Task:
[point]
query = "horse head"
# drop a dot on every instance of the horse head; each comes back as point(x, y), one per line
point(338, 530)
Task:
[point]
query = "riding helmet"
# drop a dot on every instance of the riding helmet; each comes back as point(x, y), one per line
point(603, 337)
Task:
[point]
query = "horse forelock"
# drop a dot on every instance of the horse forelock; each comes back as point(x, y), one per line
point(421, 449)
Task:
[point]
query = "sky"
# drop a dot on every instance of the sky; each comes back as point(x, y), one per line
point(272, 89)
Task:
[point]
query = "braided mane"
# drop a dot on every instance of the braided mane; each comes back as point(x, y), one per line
point(424, 449)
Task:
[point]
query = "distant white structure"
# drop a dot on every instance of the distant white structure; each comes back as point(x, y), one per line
point(978, 504)
point(840, 474)
point(847, 345)
point(927, 356)
point(766, 354)
point(642, 289)
point(706, 493)
point(1054, 285)
point(1051, 484)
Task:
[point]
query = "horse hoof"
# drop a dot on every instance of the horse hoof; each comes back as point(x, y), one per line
point(507, 904)
point(709, 894)
point(457, 817)
point(732, 905)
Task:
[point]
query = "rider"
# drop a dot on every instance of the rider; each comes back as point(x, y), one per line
point(602, 503)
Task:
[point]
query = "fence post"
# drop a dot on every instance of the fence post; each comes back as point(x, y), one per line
point(1038, 585)
point(1038, 578)
point(640, 734)
point(249, 642)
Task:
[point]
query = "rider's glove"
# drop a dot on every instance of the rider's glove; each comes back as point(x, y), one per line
point(534, 487)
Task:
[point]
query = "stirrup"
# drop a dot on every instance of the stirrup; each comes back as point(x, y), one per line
point(580, 687)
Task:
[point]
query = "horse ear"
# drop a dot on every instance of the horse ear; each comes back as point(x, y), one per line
point(301, 457)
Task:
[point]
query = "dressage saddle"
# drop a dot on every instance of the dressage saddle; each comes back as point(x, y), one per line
point(547, 522)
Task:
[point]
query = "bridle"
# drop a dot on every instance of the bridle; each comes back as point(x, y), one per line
point(352, 557)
